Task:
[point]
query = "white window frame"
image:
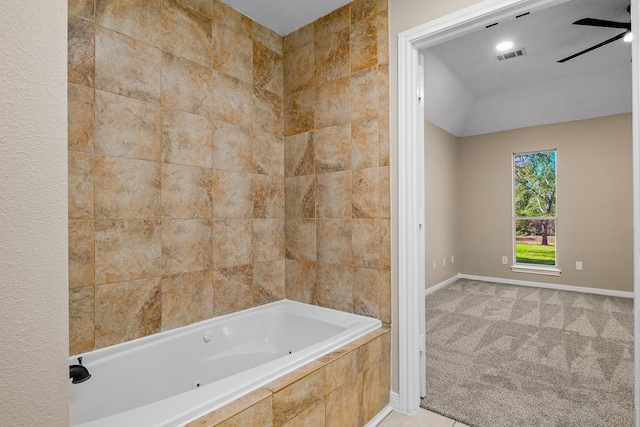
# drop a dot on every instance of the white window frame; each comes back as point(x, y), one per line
point(517, 267)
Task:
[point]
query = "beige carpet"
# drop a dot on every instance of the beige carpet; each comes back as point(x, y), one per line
point(503, 355)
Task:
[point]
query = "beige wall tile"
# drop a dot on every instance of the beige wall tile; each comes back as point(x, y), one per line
point(81, 186)
point(364, 94)
point(232, 100)
point(299, 154)
point(332, 103)
point(186, 191)
point(385, 244)
point(268, 196)
point(268, 281)
point(186, 298)
point(385, 297)
point(186, 139)
point(333, 148)
point(186, 86)
point(376, 386)
point(344, 405)
point(232, 289)
point(363, 10)
point(80, 114)
point(127, 66)
point(291, 401)
point(232, 194)
point(364, 45)
point(232, 243)
point(300, 280)
point(383, 5)
point(341, 370)
point(300, 196)
point(383, 113)
point(365, 242)
point(81, 254)
point(334, 241)
point(299, 112)
point(267, 111)
point(127, 188)
point(82, 8)
point(299, 38)
point(139, 19)
point(232, 53)
point(267, 69)
point(127, 250)
point(269, 39)
point(268, 239)
point(268, 154)
point(81, 51)
point(298, 69)
point(334, 195)
point(231, 18)
point(364, 144)
point(81, 320)
point(128, 127)
point(300, 235)
point(204, 7)
point(385, 193)
point(334, 286)
point(186, 245)
point(314, 416)
point(129, 310)
point(186, 33)
point(366, 292)
point(366, 190)
point(331, 55)
point(232, 147)
point(383, 35)
point(335, 21)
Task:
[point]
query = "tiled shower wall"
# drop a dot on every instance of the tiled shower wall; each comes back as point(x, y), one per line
point(177, 112)
point(337, 161)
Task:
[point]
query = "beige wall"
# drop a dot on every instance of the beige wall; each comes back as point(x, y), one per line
point(337, 161)
point(594, 201)
point(200, 158)
point(34, 372)
point(441, 182)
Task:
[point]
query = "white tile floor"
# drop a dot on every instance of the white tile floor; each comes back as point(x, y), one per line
point(420, 418)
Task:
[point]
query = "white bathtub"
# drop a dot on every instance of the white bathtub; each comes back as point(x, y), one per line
point(174, 377)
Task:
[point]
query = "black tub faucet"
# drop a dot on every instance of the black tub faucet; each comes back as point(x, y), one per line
point(78, 373)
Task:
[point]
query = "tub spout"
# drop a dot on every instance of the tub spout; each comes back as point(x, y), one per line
point(78, 373)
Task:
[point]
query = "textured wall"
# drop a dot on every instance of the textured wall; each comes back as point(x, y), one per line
point(337, 161)
point(33, 217)
point(176, 166)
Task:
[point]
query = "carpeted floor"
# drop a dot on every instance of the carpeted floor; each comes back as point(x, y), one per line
point(503, 355)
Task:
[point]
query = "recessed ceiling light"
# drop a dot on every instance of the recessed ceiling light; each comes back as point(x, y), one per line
point(504, 46)
point(628, 38)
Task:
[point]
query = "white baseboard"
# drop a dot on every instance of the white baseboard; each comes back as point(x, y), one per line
point(379, 416)
point(597, 291)
point(394, 401)
point(442, 284)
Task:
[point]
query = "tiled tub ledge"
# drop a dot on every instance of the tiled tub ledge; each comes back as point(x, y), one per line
point(346, 387)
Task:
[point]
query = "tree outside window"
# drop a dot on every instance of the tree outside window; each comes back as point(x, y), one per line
point(535, 216)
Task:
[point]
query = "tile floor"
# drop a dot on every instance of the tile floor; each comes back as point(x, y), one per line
point(420, 418)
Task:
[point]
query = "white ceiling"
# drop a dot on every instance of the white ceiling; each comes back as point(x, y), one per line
point(469, 93)
point(285, 16)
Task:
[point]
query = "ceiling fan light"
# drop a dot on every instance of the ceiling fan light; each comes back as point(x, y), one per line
point(628, 38)
point(504, 46)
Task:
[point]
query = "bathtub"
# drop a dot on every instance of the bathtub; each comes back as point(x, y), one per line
point(174, 377)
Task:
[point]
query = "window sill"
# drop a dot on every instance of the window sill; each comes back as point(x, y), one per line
point(545, 271)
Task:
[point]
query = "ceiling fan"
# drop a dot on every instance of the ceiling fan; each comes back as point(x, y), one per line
point(602, 23)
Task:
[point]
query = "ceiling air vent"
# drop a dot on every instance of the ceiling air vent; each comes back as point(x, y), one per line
point(510, 55)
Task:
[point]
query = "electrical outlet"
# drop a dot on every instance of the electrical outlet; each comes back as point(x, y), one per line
point(434, 265)
point(579, 265)
point(505, 260)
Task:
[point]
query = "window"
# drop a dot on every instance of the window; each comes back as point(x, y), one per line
point(535, 218)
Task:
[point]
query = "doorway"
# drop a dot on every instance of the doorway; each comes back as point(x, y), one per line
point(411, 240)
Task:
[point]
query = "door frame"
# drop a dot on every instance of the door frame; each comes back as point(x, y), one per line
point(411, 199)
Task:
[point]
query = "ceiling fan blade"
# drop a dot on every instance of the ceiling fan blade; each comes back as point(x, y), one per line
point(603, 23)
point(611, 40)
